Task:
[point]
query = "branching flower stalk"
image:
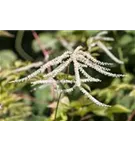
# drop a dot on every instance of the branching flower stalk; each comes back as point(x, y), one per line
point(32, 65)
point(98, 40)
point(80, 60)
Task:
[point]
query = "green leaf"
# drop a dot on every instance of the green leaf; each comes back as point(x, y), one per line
point(131, 31)
point(86, 87)
point(100, 111)
point(47, 41)
point(132, 51)
point(132, 93)
point(91, 32)
point(126, 39)
point(128, 78)
point(43, 96)
point(124, 86)
point(7, 57)
point(117, 109)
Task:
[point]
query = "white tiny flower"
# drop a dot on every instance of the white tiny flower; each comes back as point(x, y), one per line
point(97, 40)
point(91, 79)
point(93, 59)
point(80, 60)
point(92, 98)
point(102, 46)
point(76, 69)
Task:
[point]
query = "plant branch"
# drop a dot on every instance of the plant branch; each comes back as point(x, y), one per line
point(55, 116)
point(46, 55)
point(131, 116)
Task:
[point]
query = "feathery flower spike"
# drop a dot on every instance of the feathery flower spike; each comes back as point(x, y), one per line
point(97, 40)
point(80, 60)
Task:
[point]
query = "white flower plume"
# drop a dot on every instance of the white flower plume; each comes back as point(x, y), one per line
point(98, 40)
point(80, 60)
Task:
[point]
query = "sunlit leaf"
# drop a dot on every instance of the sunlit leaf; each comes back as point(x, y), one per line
point(118, 109)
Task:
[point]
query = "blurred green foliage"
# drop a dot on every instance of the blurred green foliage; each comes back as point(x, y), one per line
point(20, 102)
point(13, 106)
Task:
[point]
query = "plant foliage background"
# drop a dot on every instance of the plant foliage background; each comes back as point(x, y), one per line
point(20, 102)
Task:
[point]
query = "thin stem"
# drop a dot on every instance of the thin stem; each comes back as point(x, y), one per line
point(67, 71)
point(123, 69)
point(55, 116)
point(46, 55)
point(18, 46)
point(33, 65)
point(41, 45)
point(131, 116)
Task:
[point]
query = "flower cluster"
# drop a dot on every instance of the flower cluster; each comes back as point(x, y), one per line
point(98, 40)
point(80, 60)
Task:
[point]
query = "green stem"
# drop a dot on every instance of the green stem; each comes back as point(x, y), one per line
point(18, 46)
point(55, 116)
point(123, 69)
